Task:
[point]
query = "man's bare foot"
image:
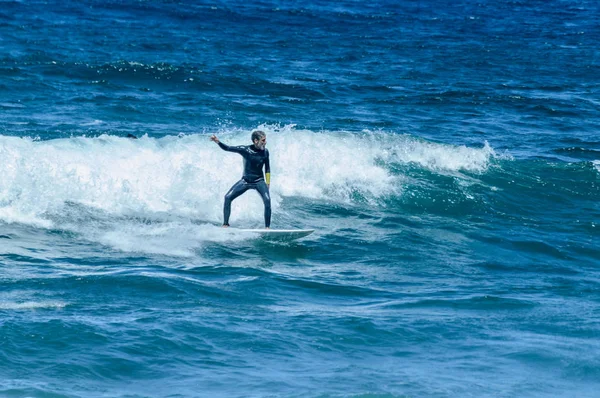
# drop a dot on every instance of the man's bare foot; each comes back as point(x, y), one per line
point(225, 225)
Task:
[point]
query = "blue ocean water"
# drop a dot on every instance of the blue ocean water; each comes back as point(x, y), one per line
point(447, 154)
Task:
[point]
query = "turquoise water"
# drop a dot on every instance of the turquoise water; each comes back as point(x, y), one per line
point(447, 157)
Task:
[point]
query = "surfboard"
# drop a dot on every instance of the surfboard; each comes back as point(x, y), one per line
point(279, 234)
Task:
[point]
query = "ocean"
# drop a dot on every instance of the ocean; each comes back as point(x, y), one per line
point(446, 153)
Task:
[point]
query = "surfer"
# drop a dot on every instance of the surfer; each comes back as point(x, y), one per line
point(255, 157)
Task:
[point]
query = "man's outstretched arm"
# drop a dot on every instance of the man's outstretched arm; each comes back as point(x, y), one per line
point(226, 147)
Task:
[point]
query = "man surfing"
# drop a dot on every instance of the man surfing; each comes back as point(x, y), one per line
point(255, 157)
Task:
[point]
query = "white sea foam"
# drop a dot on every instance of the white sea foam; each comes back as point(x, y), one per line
point(58, 182)
point(30, 305)
point(168, 238)
point(439, 157)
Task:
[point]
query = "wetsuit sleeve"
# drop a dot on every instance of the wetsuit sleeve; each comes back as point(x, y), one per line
point(267, 170)
point(236, 149)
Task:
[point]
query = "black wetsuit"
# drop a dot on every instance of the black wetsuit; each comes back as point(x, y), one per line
point(254, 160)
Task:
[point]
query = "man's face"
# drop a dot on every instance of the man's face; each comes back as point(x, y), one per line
point(261, 143)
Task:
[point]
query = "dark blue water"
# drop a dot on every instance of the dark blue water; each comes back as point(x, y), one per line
point(447, 154)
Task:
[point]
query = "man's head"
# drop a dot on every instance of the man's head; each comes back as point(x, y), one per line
point(259, 139)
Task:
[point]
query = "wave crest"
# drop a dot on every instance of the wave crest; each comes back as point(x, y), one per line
point(188, 175)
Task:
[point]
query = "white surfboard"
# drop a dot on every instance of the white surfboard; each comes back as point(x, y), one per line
point(279, 234)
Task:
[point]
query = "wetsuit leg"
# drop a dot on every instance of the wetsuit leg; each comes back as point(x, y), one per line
point(236, 190)
point(263, 190)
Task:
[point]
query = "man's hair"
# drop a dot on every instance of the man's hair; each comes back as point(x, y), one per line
point(257, 135)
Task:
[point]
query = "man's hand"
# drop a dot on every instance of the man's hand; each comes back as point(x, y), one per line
point(214, 139)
